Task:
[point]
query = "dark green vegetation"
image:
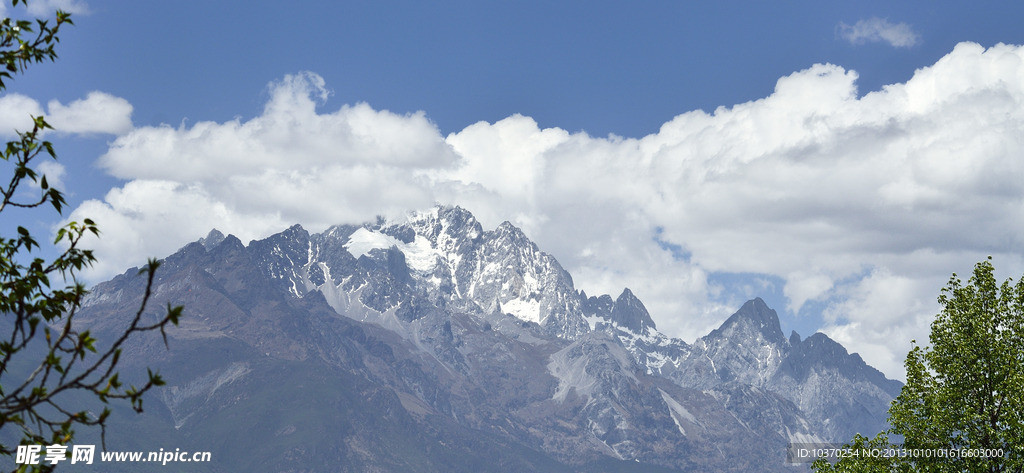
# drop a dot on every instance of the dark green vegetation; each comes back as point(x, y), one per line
point(966, 389)
point(47, 363)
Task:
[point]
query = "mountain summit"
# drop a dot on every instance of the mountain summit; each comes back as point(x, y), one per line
point(429, 343)
point(753, 317)
point(630, 313)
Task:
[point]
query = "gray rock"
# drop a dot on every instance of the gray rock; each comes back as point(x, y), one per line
point(431, 344)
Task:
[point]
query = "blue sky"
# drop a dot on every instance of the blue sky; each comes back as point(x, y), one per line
point(698, 152)
point(604, 67)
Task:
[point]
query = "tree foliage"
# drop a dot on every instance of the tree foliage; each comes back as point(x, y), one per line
point(965, 392)
point(39, 297)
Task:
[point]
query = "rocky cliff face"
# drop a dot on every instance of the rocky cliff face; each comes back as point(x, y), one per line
point(836, 390)
point(431, 344)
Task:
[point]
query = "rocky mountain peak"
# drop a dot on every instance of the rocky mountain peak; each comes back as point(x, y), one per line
point(818, 352)
point(230, 243)
point(629, 312)
point(754, 316)
point(596, 306)
point(507, 230)
point(212, 239)
point(438, 335)
point(747, 348)
point(834, 388)
point(448, 223)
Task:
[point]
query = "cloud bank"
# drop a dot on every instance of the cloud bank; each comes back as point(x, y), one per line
point(879, 30)
point(862, 204)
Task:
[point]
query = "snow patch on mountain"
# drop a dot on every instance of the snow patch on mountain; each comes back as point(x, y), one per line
point(803, 437)
point(677, 411)
point(362, 241)
point(420, 255)
point(523, 309)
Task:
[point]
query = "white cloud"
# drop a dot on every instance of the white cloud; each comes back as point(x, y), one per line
point(16, 112)
point(54, 173)
point(289, 136)
point(877, 30)
point(862, 203)
point(98, 112)
point(802, 287)
point(290, 164)
point(877, 313)
point(145, 217)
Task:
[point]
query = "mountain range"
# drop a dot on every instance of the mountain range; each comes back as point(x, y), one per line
point(428, 343)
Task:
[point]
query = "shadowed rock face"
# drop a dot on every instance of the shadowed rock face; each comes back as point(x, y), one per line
point(835, 389)
point(755, 317)
point(747, 348)
point(432, 344)
point(630, 313)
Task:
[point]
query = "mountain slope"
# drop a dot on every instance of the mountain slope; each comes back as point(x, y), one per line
point(431, 344)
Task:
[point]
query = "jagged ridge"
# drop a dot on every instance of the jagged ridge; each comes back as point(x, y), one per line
point(487, 331)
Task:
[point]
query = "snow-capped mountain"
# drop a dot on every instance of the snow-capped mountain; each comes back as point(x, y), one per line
point(430, 260)
point(471, 350)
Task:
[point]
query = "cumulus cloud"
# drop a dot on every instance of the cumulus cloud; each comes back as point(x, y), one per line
point(98, 112)
point(885, 311)
point(145, 217)
point(16, 112)
point(861, 203)
point(879, 30)
point(289, 135)
point(290, 164)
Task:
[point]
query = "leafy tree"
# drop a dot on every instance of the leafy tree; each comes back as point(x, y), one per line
point(967, 390)
point(39, 297)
